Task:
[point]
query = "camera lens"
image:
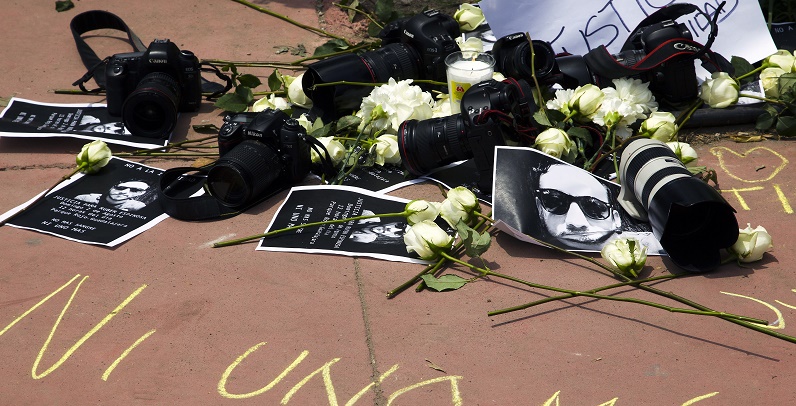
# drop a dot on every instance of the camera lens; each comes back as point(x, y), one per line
point(398, 61)
point(151, 109)
point(428, 144)
point(244, 173)
point(690, 218)
point(515, 62)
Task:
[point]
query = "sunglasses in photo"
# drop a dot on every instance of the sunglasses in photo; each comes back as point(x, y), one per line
point(558, 202)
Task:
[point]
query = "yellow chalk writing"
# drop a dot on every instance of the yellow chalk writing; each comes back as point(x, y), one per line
point(719, 153)
point(83, 339)
point(737, 193)
point(222, 384)
point(125, 353)
point(783, 199)
point(779, 324)
point(700, 398)
point(456, 398)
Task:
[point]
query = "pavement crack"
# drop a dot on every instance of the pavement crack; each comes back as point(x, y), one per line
point(374, 366)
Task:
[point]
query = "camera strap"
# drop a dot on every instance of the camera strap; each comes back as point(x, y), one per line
point(172, 196)
point(99, 19)
point(607, 66)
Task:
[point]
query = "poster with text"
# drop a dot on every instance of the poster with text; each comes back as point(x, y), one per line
point(90, 121)
point(105, 208)
point(380, 237)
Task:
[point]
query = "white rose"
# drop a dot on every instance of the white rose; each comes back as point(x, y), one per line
point(554, 142)
point(469, 17)
point(335, 148)
point(586, 100)
point(470, 44)
point(628, 255)
point(685, 153)
point(659, 126)
point(295, 93)
point(720, 91)
point(782, 59)
point(751, 244)
point(93, 156)
point(270, 102)
point(309, 126)
point(421, 210)
point(770, 79)
point(389, 105)
point(387, 149)
point(427, 239)
point(458, 205)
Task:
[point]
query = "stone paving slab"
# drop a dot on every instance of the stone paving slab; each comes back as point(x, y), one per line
point(189, 324)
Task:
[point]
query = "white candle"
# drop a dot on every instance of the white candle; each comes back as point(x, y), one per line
point(462, 74)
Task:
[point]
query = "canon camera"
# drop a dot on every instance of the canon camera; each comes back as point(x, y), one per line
point(412, 48)
point(492, 113)
point(147, 89)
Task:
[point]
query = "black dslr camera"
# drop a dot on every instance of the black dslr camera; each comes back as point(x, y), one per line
point(492, 113)
point(659, 51)
point(413, 48)
point(147, 89)
point(260, 152)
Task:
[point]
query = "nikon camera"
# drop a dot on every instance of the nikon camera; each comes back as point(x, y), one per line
point(260, 153)
point(147, 89)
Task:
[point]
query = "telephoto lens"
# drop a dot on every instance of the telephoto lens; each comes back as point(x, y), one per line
point(151, 109)
point(690, 218)
point(428, 144)
point(244, 173)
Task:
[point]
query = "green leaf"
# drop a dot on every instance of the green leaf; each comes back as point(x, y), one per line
point(351, 13)
point(249, 80)
point(245, 93)
point(444, 282)
point(581, 134)
point(275, 80)
point(205, 128)
point(742, 67)
point(64, 5)
point(474, 243)
point(786, 126)
point(765, 121)
point(348, 122)
point(373, 29)
point(324, 131)
point(232, 102)
point(543, 118)
point(330, 47)
point(385, 10)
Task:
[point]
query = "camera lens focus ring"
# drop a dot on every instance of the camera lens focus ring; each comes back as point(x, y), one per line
point(151, 109)
point(244, 173)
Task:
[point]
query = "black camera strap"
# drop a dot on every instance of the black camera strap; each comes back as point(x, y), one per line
point(605, 64)
point(176, 181)
point(99, 19)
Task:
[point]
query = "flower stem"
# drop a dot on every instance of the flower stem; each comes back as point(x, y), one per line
point(291, 21)
point(316, 223)
point(43, 195)
point(765, 99)
point(750, 73)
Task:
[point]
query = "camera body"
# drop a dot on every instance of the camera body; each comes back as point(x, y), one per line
point(258, 151)
point(429, 144)
point(431, 34)
point(148, 88)
point(413, 48)
point(660, 53)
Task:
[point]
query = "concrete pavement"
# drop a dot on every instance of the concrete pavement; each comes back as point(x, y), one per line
point(166, 319)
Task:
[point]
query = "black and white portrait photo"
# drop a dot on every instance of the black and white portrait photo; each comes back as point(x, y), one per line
point(561, 204)
point(105, 208)
point(91, 121)
point(378, 237)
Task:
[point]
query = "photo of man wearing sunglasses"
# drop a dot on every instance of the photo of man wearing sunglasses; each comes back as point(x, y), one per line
point(131, 195)
point(558, 203)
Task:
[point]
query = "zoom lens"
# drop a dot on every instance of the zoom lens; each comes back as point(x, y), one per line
point(690, 219)
point(428, 144)
point(151, 109)
point(244, 173)
point(398, 61)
